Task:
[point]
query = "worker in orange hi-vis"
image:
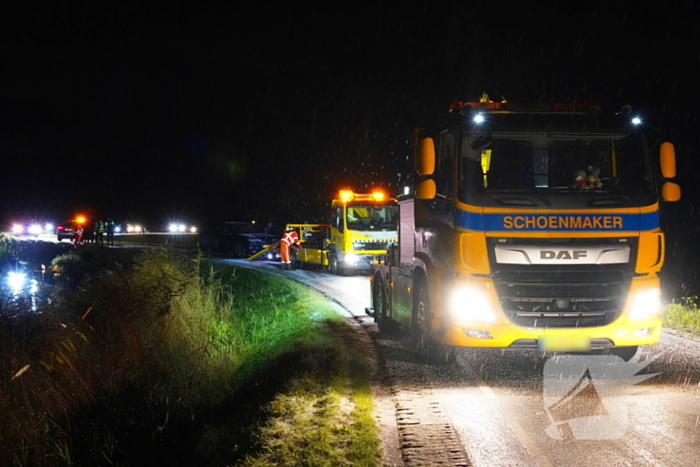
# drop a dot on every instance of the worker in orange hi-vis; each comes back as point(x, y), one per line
point(289, 239)
point(78, 235)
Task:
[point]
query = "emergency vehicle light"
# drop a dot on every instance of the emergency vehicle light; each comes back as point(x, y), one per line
point(346, 195)
point(80, 220)
point(378, 195)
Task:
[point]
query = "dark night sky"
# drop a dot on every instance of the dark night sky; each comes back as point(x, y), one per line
point(226, 110)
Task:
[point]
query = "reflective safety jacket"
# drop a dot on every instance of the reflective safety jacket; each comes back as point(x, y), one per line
point(291, 238)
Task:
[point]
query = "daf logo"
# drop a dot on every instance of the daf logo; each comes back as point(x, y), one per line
point(562, 254)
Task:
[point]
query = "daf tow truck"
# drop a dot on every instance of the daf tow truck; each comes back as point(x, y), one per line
point(529, 227)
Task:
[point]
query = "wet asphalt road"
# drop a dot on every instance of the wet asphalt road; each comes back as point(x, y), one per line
point(509, 408)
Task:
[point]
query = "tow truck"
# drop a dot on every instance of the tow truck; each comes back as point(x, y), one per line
point(529, 227)
point(362, 226)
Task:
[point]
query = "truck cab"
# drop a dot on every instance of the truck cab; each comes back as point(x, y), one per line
point(362, 225)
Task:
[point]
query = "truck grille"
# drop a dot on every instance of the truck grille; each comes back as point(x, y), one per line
point(564, 296)
point(562, 299)
point(371, 246)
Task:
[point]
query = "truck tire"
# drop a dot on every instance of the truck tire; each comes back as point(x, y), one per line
point(334, 264)
point(379, 301)
point(427, 350)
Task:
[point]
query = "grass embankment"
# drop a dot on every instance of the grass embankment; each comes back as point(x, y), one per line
point(682, 316)
point(182, 240)
point(155, 361)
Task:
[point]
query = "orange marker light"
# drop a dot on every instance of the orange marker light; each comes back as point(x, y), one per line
point(378, 195)
point(80, 220)
point(346, 195)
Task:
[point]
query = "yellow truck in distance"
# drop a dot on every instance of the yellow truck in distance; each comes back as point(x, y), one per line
point(529, 227)
point(361, 226)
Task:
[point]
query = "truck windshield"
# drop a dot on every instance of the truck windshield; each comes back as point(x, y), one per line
point(368, 217)
point(557, 164)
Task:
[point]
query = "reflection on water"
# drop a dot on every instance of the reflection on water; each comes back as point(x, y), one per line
point(21, 292)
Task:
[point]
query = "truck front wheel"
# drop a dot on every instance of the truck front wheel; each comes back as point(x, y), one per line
point(334, 264)
point(425, 348)
point(379, 301)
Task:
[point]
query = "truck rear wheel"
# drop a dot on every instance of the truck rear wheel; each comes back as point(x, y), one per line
point(426, 349)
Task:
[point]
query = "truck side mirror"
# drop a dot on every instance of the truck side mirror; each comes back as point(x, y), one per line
point(425, 162)
point(670, 191)
point(667, 156)
point(426, 189)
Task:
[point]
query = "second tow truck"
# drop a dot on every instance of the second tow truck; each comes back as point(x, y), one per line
point(361, 226)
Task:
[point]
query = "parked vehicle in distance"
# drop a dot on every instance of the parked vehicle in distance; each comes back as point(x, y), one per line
point(65, 230)
point(234, 239)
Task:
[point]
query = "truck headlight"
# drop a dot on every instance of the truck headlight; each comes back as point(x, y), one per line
point(644, 303)
point(470, 305)
point(351, 258)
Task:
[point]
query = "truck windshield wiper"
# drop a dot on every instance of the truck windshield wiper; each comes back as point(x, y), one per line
point(616, 201)
point(616, 190)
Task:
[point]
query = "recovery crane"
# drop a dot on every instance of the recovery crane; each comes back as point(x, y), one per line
point(529, 227)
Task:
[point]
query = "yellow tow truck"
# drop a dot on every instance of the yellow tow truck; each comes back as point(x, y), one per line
point(530, 227)
point(362, 226)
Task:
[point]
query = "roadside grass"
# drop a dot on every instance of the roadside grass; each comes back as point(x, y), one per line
point(181, 362)
point(682, 316)
point(324, 417)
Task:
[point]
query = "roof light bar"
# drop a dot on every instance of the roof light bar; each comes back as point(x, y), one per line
point(510, 107)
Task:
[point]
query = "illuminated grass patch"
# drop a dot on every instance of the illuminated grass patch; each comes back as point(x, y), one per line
point(684, 317)
point(324, 417)
point(148, 359)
